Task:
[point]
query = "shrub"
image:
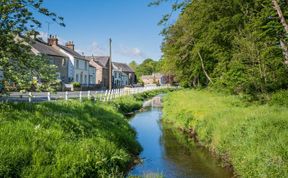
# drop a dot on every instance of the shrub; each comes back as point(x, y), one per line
point(76, 84)
point(280, 98)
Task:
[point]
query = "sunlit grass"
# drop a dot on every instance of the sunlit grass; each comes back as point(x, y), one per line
point(64, 139)
point(252, 137)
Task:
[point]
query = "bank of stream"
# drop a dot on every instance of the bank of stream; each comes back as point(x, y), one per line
point(168, 153)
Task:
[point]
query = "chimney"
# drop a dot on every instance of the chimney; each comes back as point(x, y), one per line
point(70, 45)
point(53, 40)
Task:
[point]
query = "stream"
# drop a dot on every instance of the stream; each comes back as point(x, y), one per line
point(168, 153)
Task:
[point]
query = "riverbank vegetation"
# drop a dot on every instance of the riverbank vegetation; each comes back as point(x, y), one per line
point(251, 137)
point(69, 138)
point(234, 46)
point(128, 104)
point(64, 139)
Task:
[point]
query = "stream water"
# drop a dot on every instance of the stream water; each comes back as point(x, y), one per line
point(169, 154)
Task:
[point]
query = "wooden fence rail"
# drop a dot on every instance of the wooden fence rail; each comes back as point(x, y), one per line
point(103, 95)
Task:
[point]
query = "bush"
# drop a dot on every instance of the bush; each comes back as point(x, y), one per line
point(280, 98)
point(127, 104)
point(76, 84)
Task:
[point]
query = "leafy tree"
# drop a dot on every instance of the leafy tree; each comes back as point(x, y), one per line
point(133, 65)
point(147, 67)
point(17, 24)
point(237, 45)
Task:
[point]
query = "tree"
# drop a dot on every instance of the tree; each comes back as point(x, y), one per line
point(147, 67)
point(133, 65)
point(234, 45)
point(18, 63)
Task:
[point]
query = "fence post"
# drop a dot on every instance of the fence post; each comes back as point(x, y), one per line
point(106, 94)
point(48, 96)
point(101, 95)
point(30, 97)
point(109, 95)
point(95, 98)
point(89, 93)
point(80, 96)
point(66, 95)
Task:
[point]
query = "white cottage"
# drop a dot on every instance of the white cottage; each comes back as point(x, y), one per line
point(78, 66)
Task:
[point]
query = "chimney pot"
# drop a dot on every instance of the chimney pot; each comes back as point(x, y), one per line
point(52, 40)
point(70, 45)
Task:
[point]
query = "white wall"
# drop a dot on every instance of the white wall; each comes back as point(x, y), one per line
point(81, 71)
point(92, 75)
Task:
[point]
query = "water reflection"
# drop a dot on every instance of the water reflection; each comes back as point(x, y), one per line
point(170, 153)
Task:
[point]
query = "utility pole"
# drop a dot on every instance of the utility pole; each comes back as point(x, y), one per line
point(48, 26)
point(110, 65)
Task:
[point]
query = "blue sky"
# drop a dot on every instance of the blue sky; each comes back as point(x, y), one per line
point(131, 24)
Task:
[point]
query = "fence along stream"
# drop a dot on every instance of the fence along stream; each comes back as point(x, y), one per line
point(103, 95)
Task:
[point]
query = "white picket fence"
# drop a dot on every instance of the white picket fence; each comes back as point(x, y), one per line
point(104, 95)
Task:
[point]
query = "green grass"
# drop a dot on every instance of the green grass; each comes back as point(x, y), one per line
point(132, 103)
point(65, 139)
point(253, 138)
point(69, 139)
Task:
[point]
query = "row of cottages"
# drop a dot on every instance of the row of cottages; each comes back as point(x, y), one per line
point(122, 74)
point(71, 66)
point(89, 71)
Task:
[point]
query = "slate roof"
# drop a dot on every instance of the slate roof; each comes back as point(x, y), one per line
point(93, 63)
point(124, 67)
point(72, 52)
point(45, 49)
point(101, 60)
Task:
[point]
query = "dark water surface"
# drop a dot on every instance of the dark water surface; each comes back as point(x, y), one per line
point(170, 154)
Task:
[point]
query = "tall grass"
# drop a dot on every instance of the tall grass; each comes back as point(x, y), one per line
point(64, 139)
point(253, 138)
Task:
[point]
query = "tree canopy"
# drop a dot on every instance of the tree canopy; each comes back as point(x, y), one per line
point(19, 65)
point(231, 44)
point(147, 67)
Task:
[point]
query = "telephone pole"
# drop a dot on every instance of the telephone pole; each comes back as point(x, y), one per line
point(110, 65)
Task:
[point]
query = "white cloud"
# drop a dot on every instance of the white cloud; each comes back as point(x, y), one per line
point(98, 49)
point(130, 52)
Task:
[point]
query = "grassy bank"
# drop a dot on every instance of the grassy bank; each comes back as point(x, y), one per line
point(64, 139)
point(253, 138)
point(132, 103)
point(68, 139)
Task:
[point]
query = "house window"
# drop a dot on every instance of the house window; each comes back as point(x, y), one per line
point(77, 78)
point(86, 66)
point(81, 78)
point(77, 64)
point(63, 62)
point(85, 79)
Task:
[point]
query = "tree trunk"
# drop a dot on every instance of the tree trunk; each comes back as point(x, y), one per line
point(203, 67)
point(283, 45)
point(285, 50)
point(277, 7)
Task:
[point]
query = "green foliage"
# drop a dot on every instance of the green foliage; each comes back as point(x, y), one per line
point(239, 42)
point(280, 98)
point(65, 139)
point(127, 104)
point(133, 103)
point(147, 67)
point(253, 138)
point(76, 84)
point(17, 25)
